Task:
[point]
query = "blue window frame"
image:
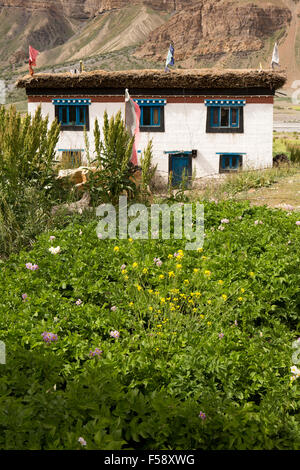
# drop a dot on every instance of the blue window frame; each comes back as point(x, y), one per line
point(72, 114)
point(230, 162)
point(150, 116)
point(225, 115)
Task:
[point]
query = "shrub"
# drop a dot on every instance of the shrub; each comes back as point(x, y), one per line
point(27, 177)
point(114, 171)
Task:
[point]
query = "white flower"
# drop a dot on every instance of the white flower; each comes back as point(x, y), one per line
point(295, 370)
point(54, 251)
point(82, 441)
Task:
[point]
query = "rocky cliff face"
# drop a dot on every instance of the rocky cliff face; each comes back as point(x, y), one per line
point(209, 29)
point(204, 32)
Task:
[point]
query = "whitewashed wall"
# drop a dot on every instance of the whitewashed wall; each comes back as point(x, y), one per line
point(185, 129)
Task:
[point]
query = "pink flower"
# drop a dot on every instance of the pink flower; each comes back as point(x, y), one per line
point(78, 302)
point(113, 308)
point(258, 222)
point(298, 222)
point(24, 297)
point(202, 415)
point(221, 335)
point(123, 267)
point(114, 334)
point(96, 352)
point(225, 221)
point(52, 237)
point(49, 337)
point(221, 227)
point(82, 441)
point(32, 267)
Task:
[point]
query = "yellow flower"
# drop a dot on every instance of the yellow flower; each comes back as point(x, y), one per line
point(150, 308)
point(196, 270)
point(242, 290)
point(224, 296)
point(161, 276)
point(163, 300)
point(209, 323)
point(130, 304)
point(172, 309)
point(194, 310)
point(116, 248)
point(156, 349)
point(150, 291)
point(204, 257)
point(139, 287)
point(197, 294)
point(135, 265)
point(207, 273)
point(186, 282)
point(199, 250)
point(126, 278)
point(158, 326)
point(202, 316)
point(130, 240)
point(240, 299)
point(170, 256)
point(178, 266)
point(155, 316)
point(171, 274)
point(251, 274)
point(221, 282)
point(209, 302)
point(124, 271)
point(145, 270)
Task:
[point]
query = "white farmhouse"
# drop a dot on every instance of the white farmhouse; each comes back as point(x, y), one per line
point(202, 122)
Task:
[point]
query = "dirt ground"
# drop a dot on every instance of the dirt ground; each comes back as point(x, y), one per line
point(285, 192)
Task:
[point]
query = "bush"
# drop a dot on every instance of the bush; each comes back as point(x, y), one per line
point(114, 171)
point(209, 331)
point(27, 177)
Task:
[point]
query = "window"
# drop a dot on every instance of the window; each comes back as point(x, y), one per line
point(225, 116)
point(71, 158)
point(72, 114)
point(230, 162)
point(152, 115)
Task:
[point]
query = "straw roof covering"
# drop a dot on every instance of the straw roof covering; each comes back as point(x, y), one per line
point(192, 79)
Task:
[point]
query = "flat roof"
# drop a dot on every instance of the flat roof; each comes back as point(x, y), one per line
point(182, 78)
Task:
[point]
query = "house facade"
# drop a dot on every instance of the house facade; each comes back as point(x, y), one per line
point(202, 122)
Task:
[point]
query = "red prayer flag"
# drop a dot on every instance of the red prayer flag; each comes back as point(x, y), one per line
point(33, 53)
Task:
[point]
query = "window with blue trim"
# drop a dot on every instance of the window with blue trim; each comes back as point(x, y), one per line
point(152, 115)
point(230, 162)
point(225, 116)
point(72, 114)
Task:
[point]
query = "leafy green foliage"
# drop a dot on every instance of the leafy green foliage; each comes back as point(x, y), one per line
point(207, 331)
point(114, 171)
point(27, 177)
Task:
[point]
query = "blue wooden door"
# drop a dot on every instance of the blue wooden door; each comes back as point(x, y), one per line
point(180, 165)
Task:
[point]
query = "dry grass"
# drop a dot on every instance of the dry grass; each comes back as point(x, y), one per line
point(186, 78)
